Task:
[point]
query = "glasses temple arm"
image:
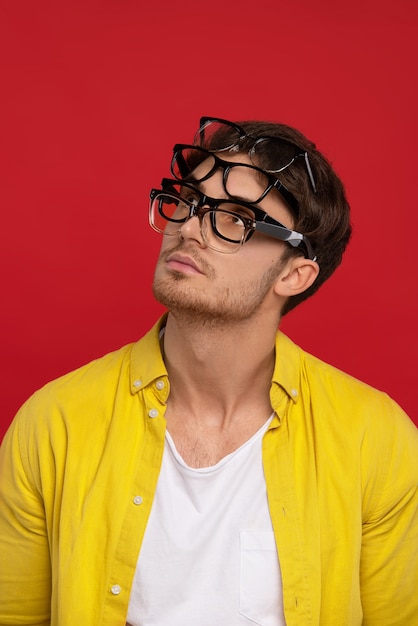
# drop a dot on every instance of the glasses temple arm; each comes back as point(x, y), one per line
point(310, 173)
point(291, 237)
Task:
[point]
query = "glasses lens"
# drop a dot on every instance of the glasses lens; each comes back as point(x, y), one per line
point(192, 164)
point(168, 212)
point(222, 230)
point(217, 136)
point(245, 182)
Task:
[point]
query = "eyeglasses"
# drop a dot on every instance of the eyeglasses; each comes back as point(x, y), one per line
point(272, 154)
point(224, 224)
point(241, 181)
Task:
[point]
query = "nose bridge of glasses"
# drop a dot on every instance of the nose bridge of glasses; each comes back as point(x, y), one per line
point(197, 209)
point(192, 227)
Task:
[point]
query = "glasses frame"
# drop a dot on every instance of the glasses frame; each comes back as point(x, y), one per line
point(198, 212)
point(226, 166)
point(206, 121)
point(261, 223)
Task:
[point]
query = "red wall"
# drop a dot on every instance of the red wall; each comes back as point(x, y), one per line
point(93, 97)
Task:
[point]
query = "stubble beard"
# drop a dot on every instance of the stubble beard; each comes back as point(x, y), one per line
point(233, 304)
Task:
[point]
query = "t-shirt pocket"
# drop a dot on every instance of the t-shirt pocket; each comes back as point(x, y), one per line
point(261, 598)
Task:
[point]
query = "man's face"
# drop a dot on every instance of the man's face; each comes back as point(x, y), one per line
point(192, 279)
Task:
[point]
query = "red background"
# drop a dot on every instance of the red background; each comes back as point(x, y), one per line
point(93, 97)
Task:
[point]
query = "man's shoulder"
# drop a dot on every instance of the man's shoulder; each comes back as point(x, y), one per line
point(331, 390)
point(75, 399)
point(297, 360)
point(96, 383)
point(103, 369)
point(89, 375)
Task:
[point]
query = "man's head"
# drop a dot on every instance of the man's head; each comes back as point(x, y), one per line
point(280, 167)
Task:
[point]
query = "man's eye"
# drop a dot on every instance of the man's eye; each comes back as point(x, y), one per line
point(231, 219)
point(190, 197)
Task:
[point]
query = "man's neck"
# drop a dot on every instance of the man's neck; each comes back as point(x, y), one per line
point(220, 378)
point(226, 368)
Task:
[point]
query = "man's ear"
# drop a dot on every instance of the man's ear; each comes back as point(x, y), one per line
point(297, 276)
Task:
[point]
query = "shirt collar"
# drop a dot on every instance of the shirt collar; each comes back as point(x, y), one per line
point(147, 363)
point(287, 369)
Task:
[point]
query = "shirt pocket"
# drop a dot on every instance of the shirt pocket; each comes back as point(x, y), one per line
point(261, 598)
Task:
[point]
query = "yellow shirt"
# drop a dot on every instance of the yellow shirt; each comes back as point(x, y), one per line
point(80, 463)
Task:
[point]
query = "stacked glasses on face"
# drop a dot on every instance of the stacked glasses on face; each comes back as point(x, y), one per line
point(226, 224)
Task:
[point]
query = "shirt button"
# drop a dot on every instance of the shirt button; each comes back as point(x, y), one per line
point(137, 500)
point(137, 383)
point(115, 589)
point(153, 413)
point(294, 392)
point(160, 384)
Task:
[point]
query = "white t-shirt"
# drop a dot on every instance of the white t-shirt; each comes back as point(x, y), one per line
point(209, 556)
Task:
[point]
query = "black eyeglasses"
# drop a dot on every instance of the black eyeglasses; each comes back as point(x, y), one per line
point(241, 181)
point(272, 154)
point(224, 224)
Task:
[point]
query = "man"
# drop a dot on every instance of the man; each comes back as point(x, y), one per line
point(214, 473)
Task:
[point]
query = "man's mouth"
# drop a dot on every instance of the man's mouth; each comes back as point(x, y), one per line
point(183, 263)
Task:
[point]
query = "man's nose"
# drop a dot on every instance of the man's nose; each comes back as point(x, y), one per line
point(192, 229)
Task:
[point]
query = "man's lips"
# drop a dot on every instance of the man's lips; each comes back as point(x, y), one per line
point(183, 263)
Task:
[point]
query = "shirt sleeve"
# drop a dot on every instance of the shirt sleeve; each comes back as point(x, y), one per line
point(389, 556)
point(25, 572)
